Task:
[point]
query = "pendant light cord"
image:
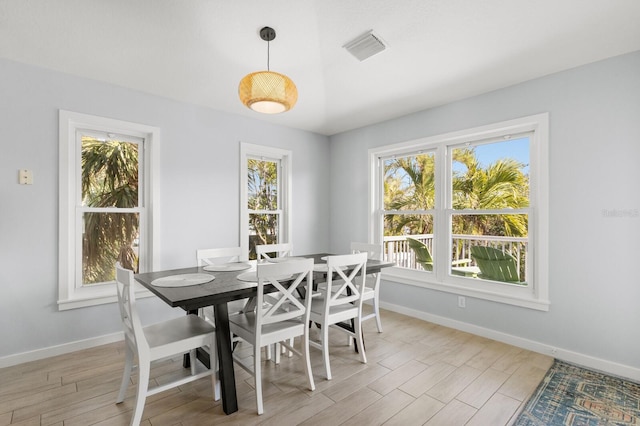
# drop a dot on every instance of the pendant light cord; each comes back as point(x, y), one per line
point(268, 54)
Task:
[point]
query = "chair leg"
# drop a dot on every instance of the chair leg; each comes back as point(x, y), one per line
point(141, 394)
point(360, 340)
point(257, 376)
point(213, 365)
point(325, 351)
point(193, 359)
point(277, 349)
point(291, 343)
point(307, 360)
point(268, 352)
point(376, 309)
point(126, 375)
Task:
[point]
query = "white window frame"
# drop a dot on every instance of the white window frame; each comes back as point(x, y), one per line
point(285, 157)
point(536, 294)
point(71, 293)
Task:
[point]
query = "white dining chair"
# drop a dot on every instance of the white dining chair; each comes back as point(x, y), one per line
point(283, 318)
point(158, 341)
point(206, 257)
point(218, 255)
point(372, 289)
point(264, 251)
point(340, 300)
point(271, 251)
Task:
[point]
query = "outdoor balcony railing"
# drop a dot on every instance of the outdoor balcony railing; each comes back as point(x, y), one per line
point(396, 249)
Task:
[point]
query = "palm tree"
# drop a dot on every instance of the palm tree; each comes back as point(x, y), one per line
point(410, 185)
point(501, 185)
point(263, 195)
point(109, 179)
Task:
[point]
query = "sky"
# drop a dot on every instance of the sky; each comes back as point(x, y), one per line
point(517, 149)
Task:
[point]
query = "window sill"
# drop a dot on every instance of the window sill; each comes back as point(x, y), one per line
point(94, 297)
point(427, 280)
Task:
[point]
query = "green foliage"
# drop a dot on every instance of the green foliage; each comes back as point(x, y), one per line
point(262, 196)
point(109, 179)
point(410, 185)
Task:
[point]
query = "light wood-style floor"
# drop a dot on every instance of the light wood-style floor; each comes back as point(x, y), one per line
point(417, 373)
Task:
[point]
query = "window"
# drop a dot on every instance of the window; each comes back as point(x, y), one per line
point(467, 212)
point(266, 197)
point(105, 191)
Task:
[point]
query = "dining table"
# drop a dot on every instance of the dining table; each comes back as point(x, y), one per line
point(226, 286)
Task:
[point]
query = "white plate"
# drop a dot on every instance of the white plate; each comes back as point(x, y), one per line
point(227, 267)
point(251, 276)
point(182, 280)
point(283, 259)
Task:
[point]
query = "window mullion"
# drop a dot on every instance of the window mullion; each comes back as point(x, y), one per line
point(442, 221)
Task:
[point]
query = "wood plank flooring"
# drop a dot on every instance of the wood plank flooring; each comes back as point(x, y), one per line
point(418, 373)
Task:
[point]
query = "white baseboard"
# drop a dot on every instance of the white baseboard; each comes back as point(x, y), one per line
point(23, 357)
point(587, 361)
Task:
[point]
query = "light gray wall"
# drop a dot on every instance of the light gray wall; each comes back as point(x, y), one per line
point(199, 194)
point(594, 114)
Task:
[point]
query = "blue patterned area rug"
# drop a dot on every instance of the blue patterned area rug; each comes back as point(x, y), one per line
point(574, 396)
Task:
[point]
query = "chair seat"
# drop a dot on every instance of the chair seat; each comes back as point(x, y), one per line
point(368, 293)
point(346, 310)
point(245, 324)
point(166, 333)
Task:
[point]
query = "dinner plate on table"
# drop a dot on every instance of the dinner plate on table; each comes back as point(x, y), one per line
point(227, 267)
point(182, 280)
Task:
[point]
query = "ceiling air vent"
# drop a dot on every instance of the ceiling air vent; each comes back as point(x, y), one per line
point(365, 46)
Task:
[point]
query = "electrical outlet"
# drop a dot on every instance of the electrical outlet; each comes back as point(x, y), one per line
point(25, 177)
point(462, 302)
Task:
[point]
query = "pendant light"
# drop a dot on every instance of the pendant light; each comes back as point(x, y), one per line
point(268, 92)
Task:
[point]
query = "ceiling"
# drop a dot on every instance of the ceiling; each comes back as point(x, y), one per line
point(438, 51)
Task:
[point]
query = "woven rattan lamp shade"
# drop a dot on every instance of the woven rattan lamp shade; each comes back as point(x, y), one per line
point(268, 92)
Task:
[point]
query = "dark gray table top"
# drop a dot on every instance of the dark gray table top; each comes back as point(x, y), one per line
point(224, 288)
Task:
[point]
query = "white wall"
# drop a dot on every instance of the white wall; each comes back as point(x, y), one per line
point(199, 194)
point(594, 114)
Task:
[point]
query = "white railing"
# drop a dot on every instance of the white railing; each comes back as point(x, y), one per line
point(396, 249)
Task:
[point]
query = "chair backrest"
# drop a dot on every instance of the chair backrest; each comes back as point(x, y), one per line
point(218, 255)
point(268, 251)
point(374, 251)
point(284, 304)
point(495, 264)
point(346, 279)
point(423, 257)
point(133, 332)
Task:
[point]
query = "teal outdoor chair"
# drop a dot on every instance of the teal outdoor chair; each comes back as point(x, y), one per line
point(495, 264)
point(423, 257)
